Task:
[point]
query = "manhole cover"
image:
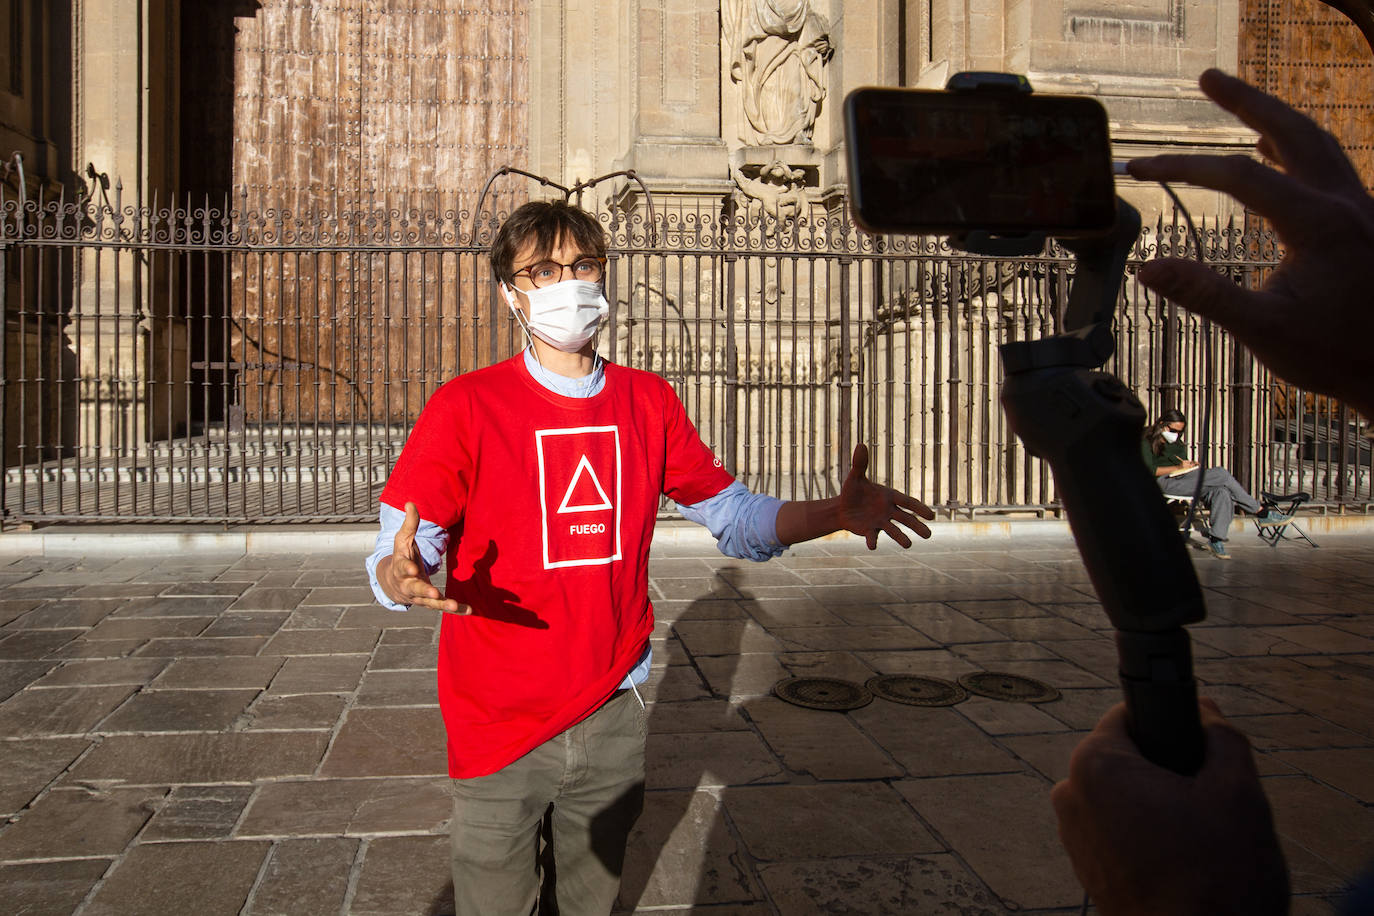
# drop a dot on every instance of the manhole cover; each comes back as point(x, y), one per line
point(916, 691)
point(822, 693)
point(1011, 687)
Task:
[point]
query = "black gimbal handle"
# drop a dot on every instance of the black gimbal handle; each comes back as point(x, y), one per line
point(1087, 426)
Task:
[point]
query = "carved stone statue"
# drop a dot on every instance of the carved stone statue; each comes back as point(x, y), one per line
point(779, 191)
point(777, 51)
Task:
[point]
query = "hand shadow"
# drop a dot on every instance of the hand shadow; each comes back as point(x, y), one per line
point(497, 603)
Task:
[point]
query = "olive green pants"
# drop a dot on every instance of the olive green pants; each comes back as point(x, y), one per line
point(590, 780)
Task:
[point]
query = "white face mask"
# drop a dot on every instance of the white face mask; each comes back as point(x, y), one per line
point(1169, 435)
point(566, 315)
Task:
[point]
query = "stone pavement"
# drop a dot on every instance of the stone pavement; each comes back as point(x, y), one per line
point(216, 733)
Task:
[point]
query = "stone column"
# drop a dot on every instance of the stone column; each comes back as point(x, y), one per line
point(124, 52)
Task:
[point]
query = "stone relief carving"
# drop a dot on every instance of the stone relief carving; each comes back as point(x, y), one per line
point(779, 191)
point(777, 51)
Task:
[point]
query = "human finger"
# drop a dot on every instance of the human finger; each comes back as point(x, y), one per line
point(858, 465)
point(897, 534)
point(914, 523)
point(913, 504)
point(1292, 206)
point(1288, 136)
point(1199, 289)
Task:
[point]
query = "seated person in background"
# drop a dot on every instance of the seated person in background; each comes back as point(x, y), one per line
point(1165, 456)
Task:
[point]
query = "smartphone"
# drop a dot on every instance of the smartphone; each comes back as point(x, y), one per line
point(1003, 162)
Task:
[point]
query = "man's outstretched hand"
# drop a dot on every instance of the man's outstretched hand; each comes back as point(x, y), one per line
point(863, 508)
point(867, 508)
point(402, 575)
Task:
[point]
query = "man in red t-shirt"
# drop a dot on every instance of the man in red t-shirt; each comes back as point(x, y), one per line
point(538, 480)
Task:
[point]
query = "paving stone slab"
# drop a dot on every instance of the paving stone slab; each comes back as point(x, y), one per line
point(398, 688)
point(932, 741)
point(378, 617)
point(1048, 754)
point(98, 648)
point(821, 744)
point(408, 636)
point(208, 879)
point(205, 606)
point(721, 759)
point(1350, 770)
point(1330, 824)
point(999, 718)
point(29, 765)
point(943, 623)
point(673, 683)
point(844, 665)
point(400, 741)
point(189, 588)
point(337, 595)
point(855, 638)
point(404, 658)
point(1031, 629)
point(305, 878)
point(203, 673)
point(179, 711)
point(404, 875)
point(689, 589)
point(879, 887)
point(51, 711)
point(23, 645)
point(1294, 731)
point(320, 674)
point(256, 623)
point(103, 672)
point(348, 807)
point(751, 675)
point(685, 718)
point(146, 628)
point(50, 888)
point(785, 823)
point(1004, 828)
point(681, 853)
point(203, 758)
point(260, 598)
point(927, 662)
point(15, 676)
point(198, 813)
point(67, 613)
point(12, 609)
point(203, 647)
point(303, 711)
point(80, 823)
point(724, 637)
point(322, 642)
point(799, 611)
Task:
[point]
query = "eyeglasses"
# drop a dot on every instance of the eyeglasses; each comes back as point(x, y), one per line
point(547, 273)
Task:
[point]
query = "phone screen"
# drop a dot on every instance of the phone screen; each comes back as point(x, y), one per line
point(925, 161)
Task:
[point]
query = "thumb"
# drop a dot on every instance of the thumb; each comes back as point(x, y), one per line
point(405, 535)
point(858, 466)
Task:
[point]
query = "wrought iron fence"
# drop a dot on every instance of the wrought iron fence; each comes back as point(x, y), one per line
point(218, 364)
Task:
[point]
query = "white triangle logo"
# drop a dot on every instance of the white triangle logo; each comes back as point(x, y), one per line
point(584, 467)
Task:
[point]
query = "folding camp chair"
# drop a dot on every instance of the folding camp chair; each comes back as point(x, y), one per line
point(1288, 504)
point(1202, 516)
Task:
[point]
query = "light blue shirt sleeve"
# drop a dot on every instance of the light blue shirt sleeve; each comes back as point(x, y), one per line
point(744, 524)
point(429, 538)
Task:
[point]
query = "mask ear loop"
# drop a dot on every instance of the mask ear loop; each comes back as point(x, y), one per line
point(520, 320)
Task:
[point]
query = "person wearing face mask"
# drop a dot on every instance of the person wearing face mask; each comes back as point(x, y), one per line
point(1166, 456)
point(537, 482)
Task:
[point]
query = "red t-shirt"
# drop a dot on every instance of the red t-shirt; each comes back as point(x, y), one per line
point(550, 504)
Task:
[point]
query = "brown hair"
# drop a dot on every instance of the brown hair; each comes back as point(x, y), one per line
point(1155, 433)
point(544, 223)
